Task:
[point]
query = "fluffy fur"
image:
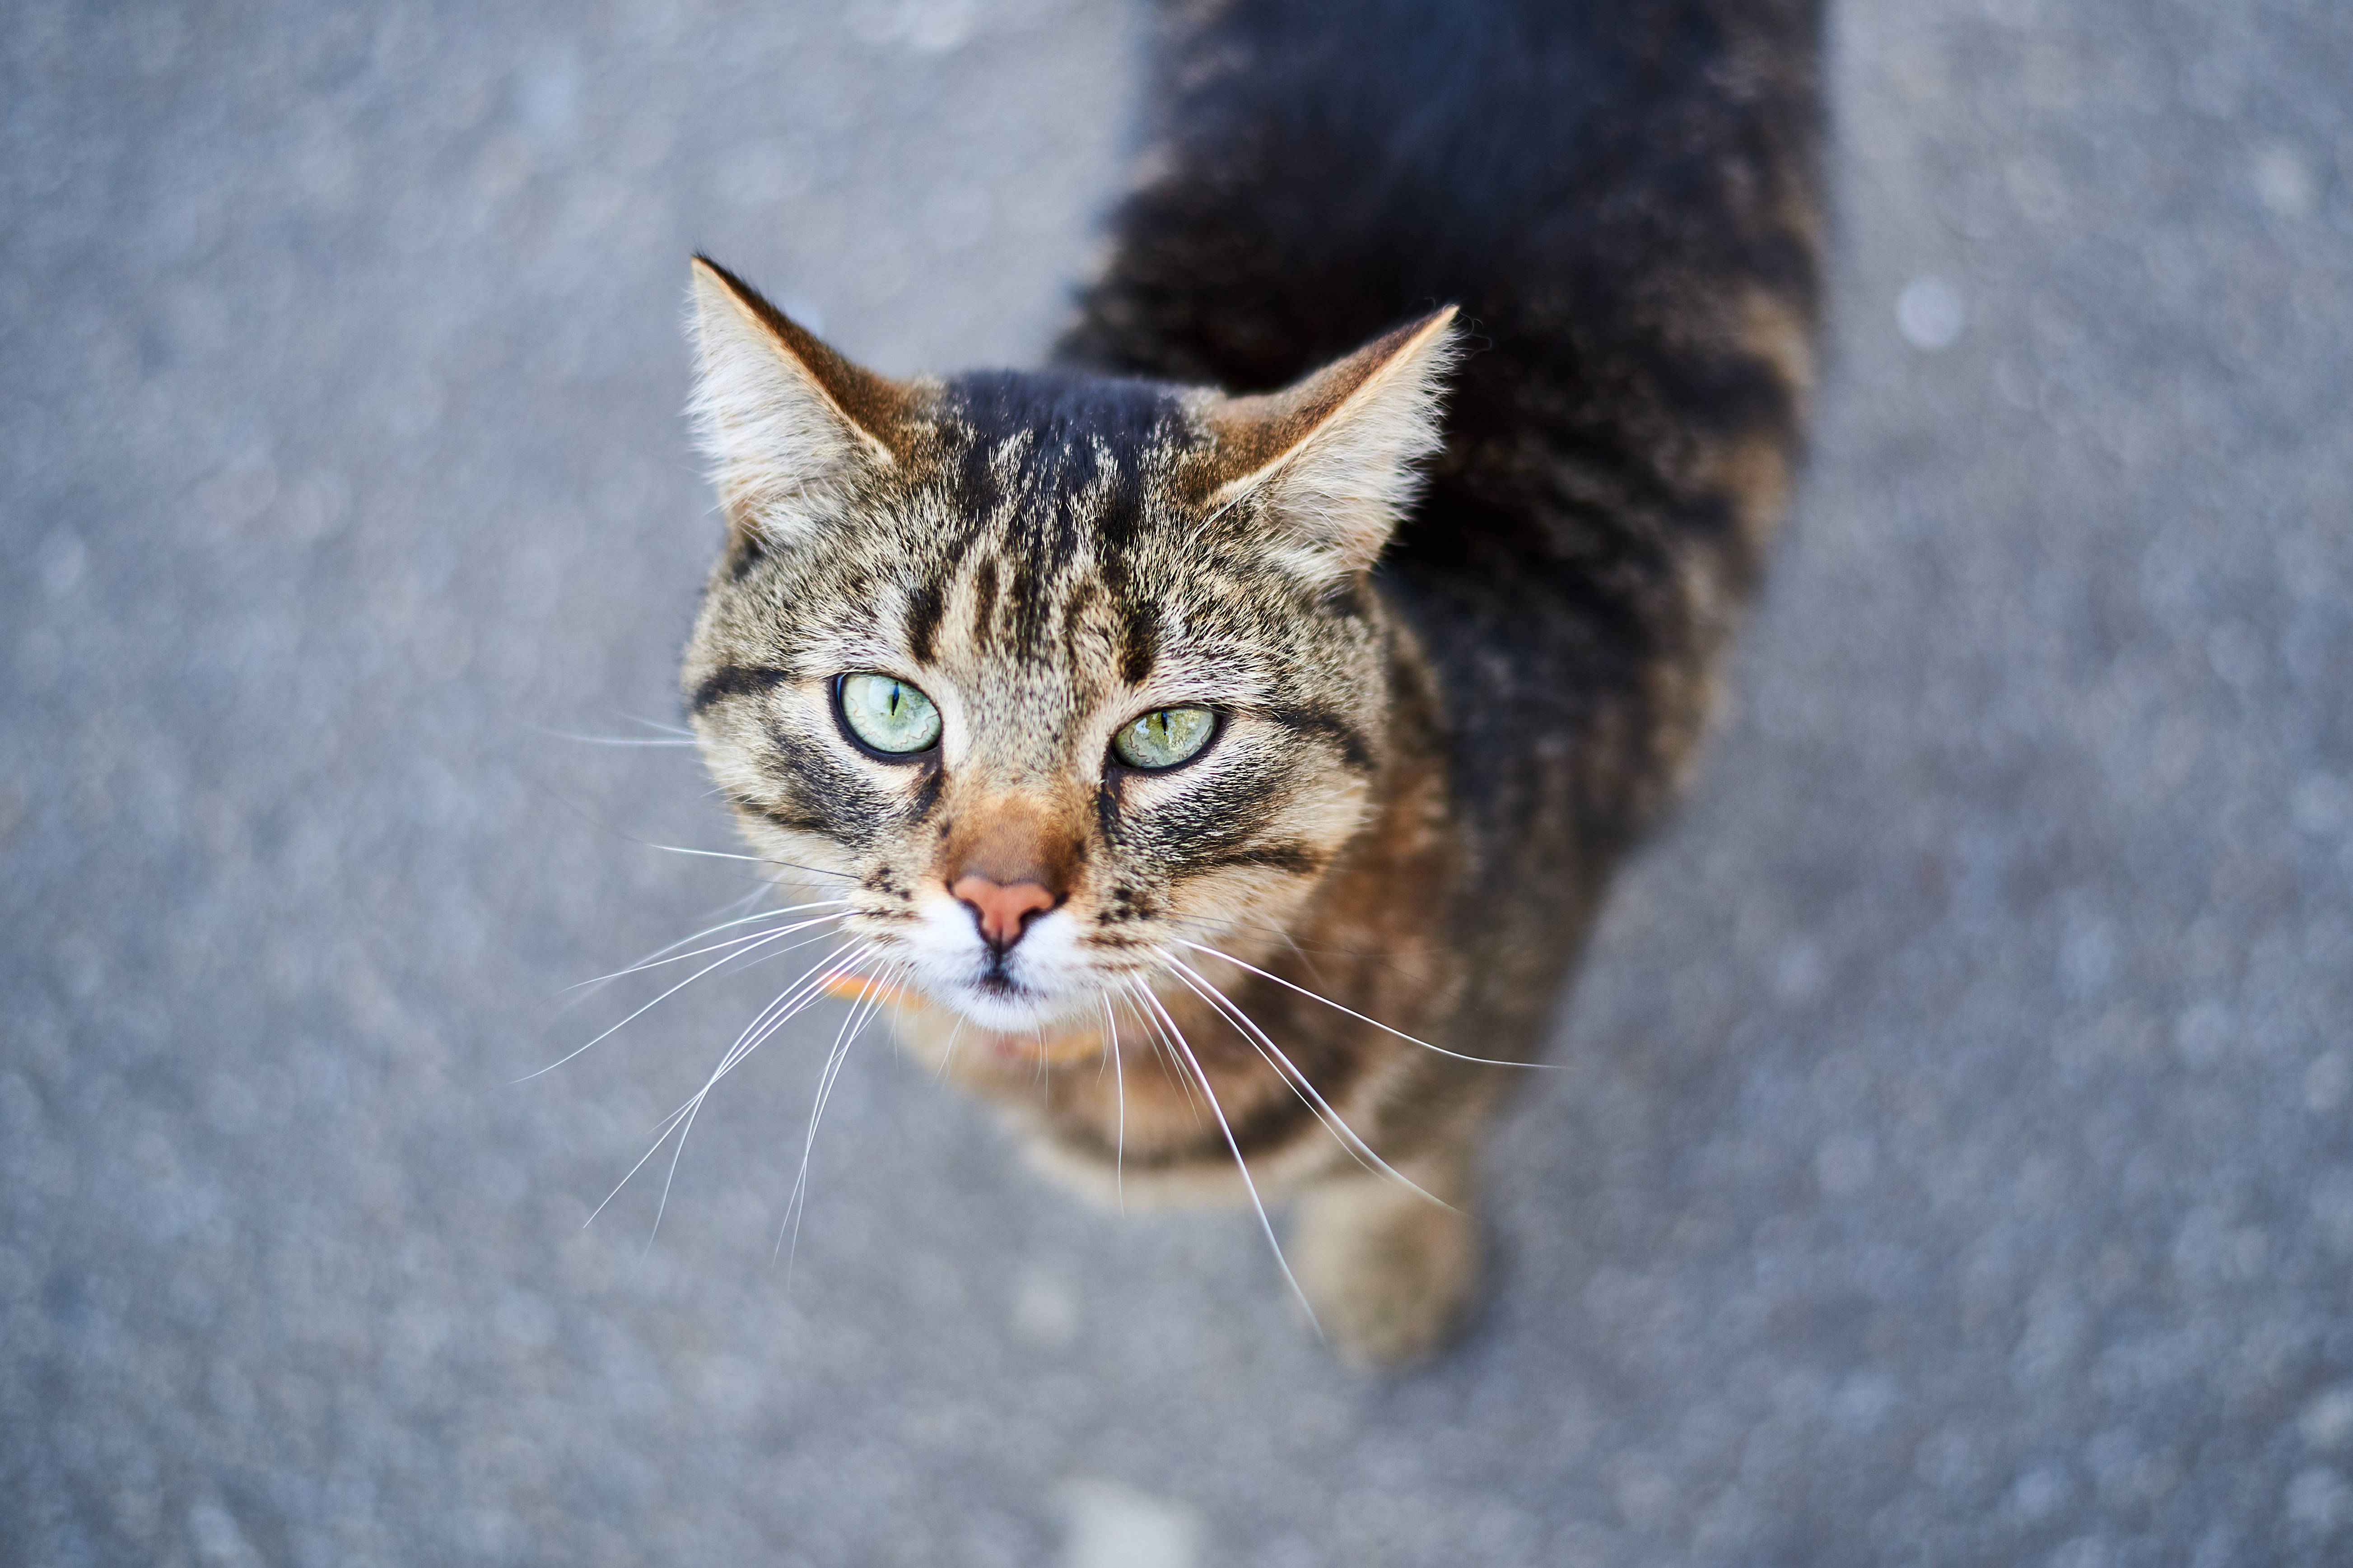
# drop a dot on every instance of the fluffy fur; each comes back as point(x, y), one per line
point(1457, 660)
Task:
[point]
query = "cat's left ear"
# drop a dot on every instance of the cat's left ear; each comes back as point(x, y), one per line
point(793, 429)
point(1333, 461)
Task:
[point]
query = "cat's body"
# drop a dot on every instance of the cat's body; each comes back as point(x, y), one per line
point(1423, 752)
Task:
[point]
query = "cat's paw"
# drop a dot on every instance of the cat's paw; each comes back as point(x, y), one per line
point(1387, 1271)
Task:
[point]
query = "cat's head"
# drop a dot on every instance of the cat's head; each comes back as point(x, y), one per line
point(1048, 675)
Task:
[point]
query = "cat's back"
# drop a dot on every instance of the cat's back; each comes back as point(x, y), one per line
point(1622, 196)
point(1315, 173)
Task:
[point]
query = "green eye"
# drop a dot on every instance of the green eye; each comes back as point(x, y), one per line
point(887, 714)
point(1163, 737)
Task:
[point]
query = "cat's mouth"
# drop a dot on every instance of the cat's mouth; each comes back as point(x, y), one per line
point(1041, 986)
point(1001, 990)
point(1004, 1005)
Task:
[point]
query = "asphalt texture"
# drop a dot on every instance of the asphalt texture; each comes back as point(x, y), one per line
point(1951, 1160)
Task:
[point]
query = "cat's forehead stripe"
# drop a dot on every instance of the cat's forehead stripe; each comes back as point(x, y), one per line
point(1032, 583)
point(1063, 458)
point(926, 605)
point(1139, 643)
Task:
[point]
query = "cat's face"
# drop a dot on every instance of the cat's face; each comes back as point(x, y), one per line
point(1048, 677)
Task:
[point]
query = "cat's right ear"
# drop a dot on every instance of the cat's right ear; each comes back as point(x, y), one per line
point(1334, 459)
point(792, 429)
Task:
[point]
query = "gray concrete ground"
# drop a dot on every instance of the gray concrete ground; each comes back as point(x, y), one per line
point(1951, 1164)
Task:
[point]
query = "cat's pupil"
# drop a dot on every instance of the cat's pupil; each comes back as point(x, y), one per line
point(887, 715)
point(1163, 737)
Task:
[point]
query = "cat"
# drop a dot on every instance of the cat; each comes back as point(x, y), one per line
point(1215, 746)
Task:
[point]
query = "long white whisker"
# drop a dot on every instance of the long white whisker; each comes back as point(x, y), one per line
point(949, 1055)
point(1240, 1165)
point(1282, 932)
point(863, 1011)
point(711, 854)
point(656, 960)
point(686, 1130)
point(1301, 1085)
point(797, 1206)
point(745, 1046)
point(1164, 1051)
point(1119, 1089)
point(706, 854)
point(781, 1009)
point(1375, 1023)
point(755, 860)
point(744, 945)
point(651, 723)
point(812, 985)
point(753, 946)
point(670, 1123)
point(647, 960)
point(614, 739)
point(732, 909)
point(667, 1126)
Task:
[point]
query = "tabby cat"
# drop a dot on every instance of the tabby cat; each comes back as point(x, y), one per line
point(1215, 746)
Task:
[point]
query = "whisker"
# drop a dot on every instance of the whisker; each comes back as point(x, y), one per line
point(753, 944)
point(784, 1007)
point(1284, 1068)
point(1240, 1165)
point(755, 860)
point(948, 1055)
point(812, 871)
point(746, 1043)
point(1375, 1023)
point(655, 959)
point(794, 1001)
point(1164, 1052)
point(707, 854)
point(867, 1001)
point(1289, 939)
point(651, 723)
point(670, 1123)
point(586, 815)
point(1301, 1085)
point(1119, 1091)
point(671, 735)
point(861, 1012)
point(611, 740)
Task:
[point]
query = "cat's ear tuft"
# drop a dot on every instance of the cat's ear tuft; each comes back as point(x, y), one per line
point(1335, 461)
point(791, 427)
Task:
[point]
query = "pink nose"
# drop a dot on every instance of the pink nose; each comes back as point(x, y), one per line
point(1003, 910)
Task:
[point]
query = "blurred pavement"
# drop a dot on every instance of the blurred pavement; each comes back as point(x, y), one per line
point(1953, 1161)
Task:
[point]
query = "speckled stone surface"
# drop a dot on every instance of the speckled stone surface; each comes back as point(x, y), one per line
point(1951, 1164)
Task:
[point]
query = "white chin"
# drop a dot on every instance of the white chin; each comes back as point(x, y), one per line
point(1016, 1012)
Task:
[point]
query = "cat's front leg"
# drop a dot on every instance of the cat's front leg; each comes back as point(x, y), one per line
point(1387, 1271)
